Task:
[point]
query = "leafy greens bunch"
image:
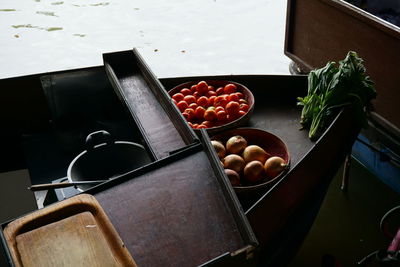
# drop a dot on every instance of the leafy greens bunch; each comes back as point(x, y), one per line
point(331, 88)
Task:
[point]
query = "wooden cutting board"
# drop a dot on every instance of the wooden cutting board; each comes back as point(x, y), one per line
point(74, 232)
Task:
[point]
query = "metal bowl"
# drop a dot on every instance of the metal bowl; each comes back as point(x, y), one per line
point(105, 158)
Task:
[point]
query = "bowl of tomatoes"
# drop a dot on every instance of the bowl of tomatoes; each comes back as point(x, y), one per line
point(214, 105)
point(253, 159)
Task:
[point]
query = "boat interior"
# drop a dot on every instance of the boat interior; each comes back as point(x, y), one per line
point(327, 210)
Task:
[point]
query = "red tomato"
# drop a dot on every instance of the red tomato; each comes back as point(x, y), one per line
point(210, 115)
point(196, 94)
point(218, 109)
point(195, 125)
point(211, 108)
point(244, 107)
point(202, 87)
point(230, 88)
point(211, 93)
point(243, 101)
point(230, 118)
point(202, 101)
point(211, 100)
point(182, 105)
point(193, 105)
point(240, 95)
point(191, 114)
point(233, 97)
point(199, 112)
point(220, 91)
point(178, 97)
point(193, 88)
point(221, 115)
point(211, 88)
point(232, 108)
point(221, 100)
point(185, 115)
point(241, 113)
point(189, 99)
point(186, 91)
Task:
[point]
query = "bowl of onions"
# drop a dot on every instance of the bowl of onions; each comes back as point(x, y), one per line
point(252, 158)
point(214, 105)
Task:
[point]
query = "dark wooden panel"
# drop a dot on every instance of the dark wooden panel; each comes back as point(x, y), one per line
point(318, 31)
point(162, 126)
point(175, 215)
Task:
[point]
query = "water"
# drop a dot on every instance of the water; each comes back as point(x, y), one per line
point(176, 38)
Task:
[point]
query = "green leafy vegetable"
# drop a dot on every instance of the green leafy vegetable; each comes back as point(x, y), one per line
point(333, 87)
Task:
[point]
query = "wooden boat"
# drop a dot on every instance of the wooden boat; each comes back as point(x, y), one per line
point(47, 115)
point(282, 215)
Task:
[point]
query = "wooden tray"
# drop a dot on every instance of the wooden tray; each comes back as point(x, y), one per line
point(179, 211)
point(73, 232)
point(163, 127)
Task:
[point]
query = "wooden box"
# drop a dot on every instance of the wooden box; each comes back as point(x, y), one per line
point(162, 126)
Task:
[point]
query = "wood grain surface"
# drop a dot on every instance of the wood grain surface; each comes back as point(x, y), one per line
point(175, 215)
point(73, 241)
point(73, 232)
point(139, 90)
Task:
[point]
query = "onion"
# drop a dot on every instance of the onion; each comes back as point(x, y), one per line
point(274, 166)
point(253, 171)
point(233, 162)
point(233, 176)
point(255, 152)
point(236, 144)
point(219, 147)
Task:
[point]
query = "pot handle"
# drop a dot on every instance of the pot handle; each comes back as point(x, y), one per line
point(97, 138)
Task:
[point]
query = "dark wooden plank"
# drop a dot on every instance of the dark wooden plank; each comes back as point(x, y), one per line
point(139, 91)
point(159, 129)
point(175, 215)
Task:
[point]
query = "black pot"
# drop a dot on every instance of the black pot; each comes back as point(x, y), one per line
point(105, 158)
